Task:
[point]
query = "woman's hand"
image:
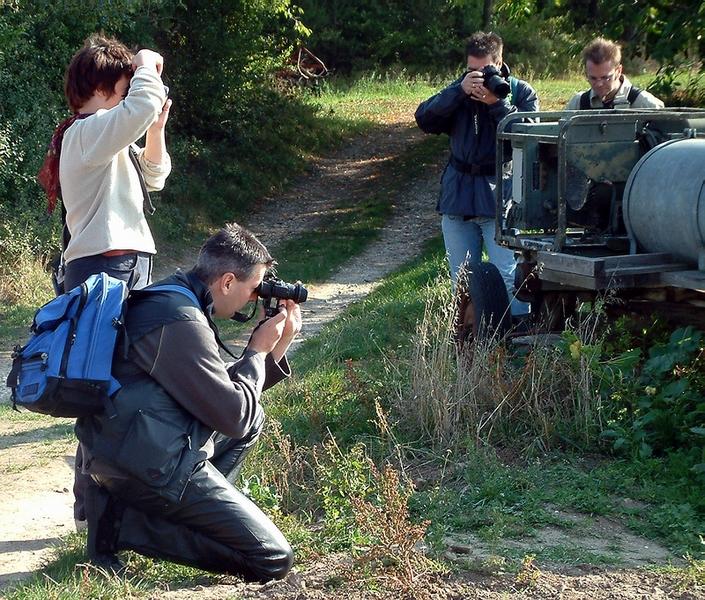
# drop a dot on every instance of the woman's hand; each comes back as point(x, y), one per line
point(163, 117)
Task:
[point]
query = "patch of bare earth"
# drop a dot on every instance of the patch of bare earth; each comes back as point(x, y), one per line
point(331, 578)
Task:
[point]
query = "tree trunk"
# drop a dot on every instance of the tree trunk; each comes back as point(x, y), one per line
point(487, 14)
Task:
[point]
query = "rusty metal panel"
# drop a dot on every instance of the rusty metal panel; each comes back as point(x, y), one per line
point(692, 280)
point(596, 266)
point(570, 263)
point(603, 282)
point(603, 161)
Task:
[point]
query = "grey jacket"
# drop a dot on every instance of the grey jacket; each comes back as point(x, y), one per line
point(177, 393)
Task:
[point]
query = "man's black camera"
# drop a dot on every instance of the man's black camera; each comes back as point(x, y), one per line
point(494, 81)
point(281, 290)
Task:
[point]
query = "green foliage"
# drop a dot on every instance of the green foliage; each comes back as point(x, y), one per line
point(357, 35)
point(341, 475)
point(218, 59)
point(662, 409)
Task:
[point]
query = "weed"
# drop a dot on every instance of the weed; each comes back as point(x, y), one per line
point(529, 574)
point(390, 554)
point(341, 475)
point(489, 395)
point(692, 575)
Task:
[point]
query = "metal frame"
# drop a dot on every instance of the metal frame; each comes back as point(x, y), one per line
point(575, 271)
point(569, 119)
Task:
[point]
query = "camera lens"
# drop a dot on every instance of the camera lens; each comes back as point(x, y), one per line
point(276, 288)
point(494, 82)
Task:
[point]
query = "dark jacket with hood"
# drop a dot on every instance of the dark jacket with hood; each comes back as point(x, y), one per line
point(177, 393)
point(472, 127)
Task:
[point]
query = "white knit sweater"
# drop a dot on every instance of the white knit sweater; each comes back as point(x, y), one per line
point(100, 187)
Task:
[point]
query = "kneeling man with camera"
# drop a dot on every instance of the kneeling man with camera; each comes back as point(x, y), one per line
point(469, 110)
point(167, 455)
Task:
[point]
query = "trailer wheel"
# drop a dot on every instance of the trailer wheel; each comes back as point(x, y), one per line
point(483, 304)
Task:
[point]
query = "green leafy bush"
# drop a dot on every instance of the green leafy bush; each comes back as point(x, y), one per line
point(662, 407)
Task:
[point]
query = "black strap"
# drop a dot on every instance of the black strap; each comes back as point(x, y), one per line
point(633, 94)
point(147, 202)
point(472, 169)
point(631, 98)
point(585, 101)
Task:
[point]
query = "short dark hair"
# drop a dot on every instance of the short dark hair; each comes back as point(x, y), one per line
point(97, 66)
point(233, 249)
point(601, 50)
point(481, 44)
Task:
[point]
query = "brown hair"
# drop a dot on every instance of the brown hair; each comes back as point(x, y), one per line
point(601, 50)
point(97, 66)
point(481, 44)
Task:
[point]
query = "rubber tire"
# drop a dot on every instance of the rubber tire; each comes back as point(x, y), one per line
point(483, 304)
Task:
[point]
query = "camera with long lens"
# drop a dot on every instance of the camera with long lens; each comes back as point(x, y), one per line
point(494, 81)
point(276, 289)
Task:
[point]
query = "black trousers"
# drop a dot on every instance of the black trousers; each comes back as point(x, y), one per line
point(136, 269)
point(214, 526)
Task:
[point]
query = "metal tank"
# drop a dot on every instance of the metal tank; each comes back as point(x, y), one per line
point(664, 201)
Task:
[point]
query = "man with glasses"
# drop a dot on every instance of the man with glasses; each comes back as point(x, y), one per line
point(609, 87)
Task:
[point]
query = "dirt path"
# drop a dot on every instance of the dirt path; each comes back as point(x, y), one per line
point(37, 508)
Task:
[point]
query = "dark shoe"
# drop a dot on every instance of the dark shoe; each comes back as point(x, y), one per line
point(110, 563)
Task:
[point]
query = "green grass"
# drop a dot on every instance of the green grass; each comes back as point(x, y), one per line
point(339, 375)
point(68, 577)
point(511, 501)
point(14, 324)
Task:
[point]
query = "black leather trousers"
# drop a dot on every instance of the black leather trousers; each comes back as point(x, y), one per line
point(213, 527)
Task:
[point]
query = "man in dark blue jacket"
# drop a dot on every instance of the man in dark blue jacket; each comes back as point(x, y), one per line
point(167, 458)
point(469, 113)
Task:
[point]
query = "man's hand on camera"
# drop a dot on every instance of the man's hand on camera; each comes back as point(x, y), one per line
point(291, 329)
point(268, 333)
point(148, 58)
point(473, 85)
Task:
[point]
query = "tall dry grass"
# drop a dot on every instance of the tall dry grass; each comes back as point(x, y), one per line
point(24, 280)
point(494, 391)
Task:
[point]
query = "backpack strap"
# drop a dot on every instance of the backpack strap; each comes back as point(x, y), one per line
point(147, 201)
point(633, 94)
point(585, 101)
point(172, 287)
point(180, 289)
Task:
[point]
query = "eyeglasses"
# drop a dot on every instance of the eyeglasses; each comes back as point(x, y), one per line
point(605, 79)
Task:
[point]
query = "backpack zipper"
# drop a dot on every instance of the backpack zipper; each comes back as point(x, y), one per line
point(71, 337)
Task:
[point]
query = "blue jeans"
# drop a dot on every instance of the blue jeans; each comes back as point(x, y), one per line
point(464, 239)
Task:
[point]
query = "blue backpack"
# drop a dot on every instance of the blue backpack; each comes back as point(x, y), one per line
point(64, 370)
